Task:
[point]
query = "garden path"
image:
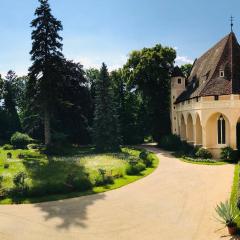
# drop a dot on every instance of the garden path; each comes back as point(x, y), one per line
point(175, 202)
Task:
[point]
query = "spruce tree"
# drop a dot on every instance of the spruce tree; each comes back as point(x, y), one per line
point(45, 72)
point(105, 129)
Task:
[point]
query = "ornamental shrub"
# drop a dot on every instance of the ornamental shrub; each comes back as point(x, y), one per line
point(135, 169)
point(229, 155)
point(203, 154)
point(20, 140)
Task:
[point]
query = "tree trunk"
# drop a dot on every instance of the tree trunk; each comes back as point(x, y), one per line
point(47, 129)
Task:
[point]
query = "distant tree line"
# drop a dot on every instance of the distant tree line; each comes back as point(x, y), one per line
point(61, 102)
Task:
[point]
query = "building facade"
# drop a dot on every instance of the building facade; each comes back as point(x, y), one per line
point(205, 107)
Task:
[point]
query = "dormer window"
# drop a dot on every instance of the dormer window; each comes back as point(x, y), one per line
point(221, 73)
point(179, 81)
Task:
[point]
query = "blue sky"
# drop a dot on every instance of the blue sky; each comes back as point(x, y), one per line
point(107, 30)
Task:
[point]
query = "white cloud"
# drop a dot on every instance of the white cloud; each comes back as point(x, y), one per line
point(113, 62)
point(180, 60)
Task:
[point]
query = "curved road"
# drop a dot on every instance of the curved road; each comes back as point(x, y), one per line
point(175, 202)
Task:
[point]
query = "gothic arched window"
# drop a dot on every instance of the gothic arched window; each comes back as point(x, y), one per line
point(221, 130)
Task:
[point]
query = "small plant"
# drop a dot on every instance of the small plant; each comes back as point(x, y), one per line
point(19, 180)
point(203, 153)
point(9, 155)
point(20, 140)
point(103, 179)
point(143, 154)
point(21, 156)
point(6, 165)
point(229, 155)
point(7, 147)
point(227, 215)
point(135, 169)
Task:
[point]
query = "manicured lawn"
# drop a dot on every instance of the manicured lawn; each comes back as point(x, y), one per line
point(51, 172)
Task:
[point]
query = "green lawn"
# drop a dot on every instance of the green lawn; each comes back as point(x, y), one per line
point(234, 192)
point(52, 172)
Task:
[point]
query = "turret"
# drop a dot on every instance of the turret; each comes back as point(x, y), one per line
point(178, 84)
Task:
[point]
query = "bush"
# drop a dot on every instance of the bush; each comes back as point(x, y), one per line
point(20, 140)
point(19, 179)
point(6, 165)
point(228, 154)
point(108, 179)
point(34, 146)
point(147, 158)
point(143, 154)
point(170, 142)
point(7, 147)
point(203, 153)
point(135, 169)
point(9, 155)
point(21, 156)
point(103, 179)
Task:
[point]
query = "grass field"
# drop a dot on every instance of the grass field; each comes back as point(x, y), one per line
point(53, 171)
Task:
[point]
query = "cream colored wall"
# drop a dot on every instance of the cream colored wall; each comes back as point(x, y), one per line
point(204, 117)
point(176, 90)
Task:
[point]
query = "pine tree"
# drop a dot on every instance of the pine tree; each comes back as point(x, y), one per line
point(105, 129)
point(45, 72)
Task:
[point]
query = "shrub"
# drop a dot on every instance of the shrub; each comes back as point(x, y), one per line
point(147, 158)
point(19, 179)
point(21, 156)
point(170, 142)
point(135, 169)
point(103, 179)
point(228, 154)
point(108, 179)
point(203, 153)
point(6, 165)
point(20, 140)
point(76, 182)
point(143, 154)
point(7, 147)
point(9, 155)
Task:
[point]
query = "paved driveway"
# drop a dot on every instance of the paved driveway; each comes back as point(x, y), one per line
point(175, 202)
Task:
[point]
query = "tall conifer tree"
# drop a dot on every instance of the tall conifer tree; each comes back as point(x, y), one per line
point(45, 72)
point(105, 130)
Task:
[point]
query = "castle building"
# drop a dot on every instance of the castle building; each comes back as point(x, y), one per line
point(205, 107)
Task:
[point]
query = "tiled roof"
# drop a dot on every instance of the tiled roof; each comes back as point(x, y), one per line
point(205, 79)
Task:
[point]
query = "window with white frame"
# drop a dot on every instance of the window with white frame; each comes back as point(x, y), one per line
point(221, 125)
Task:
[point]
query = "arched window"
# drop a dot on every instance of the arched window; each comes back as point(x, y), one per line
point(221, 130)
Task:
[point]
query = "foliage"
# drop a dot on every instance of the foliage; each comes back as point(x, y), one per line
point(203, 153)
point(148, 72)
point(6, 165)
point(226, 213)
point(9, 155)
point(147, 158)
point(135, 168)
point(45, 72)
point(7, 147)
point(186, 69)
point(20, 140)
point(170, 142)
point(229, 155)
point(19, 181)
point(105, 130)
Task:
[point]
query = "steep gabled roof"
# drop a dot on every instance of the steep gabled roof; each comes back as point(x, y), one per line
point(204, 79)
